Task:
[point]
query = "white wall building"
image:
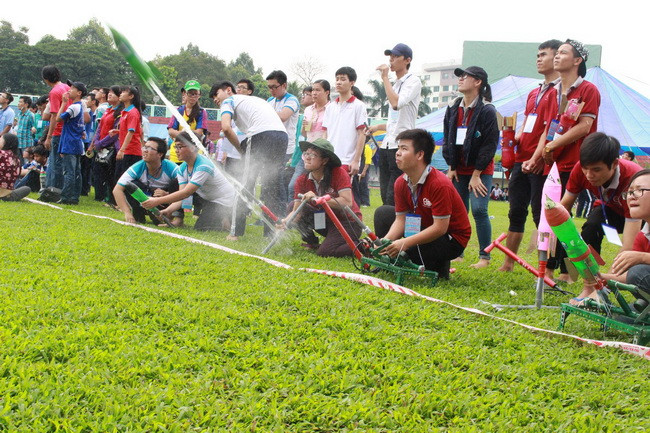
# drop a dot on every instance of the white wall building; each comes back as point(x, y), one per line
point(440, 80)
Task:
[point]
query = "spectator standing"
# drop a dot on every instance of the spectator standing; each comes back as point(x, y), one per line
point(52, 77)
point(471, 136)
point(192, 112)
point(26, 121)
point(71, 145)
point(403, 102)
point(7, 114)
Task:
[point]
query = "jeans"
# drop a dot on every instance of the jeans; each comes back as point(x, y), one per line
point(268, 153)
point(479, 210)
point(54, 175)
point(71, 178)
point(388, 174)
point(639, 275)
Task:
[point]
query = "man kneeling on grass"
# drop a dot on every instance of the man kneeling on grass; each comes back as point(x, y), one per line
point(154, 175)
point(198, 177)
point(429, 220)
point(324, 175)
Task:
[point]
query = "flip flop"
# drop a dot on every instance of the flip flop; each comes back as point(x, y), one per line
point(577, 300)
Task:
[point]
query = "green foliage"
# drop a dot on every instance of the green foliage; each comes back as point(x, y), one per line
point(260, 86)
point(92, 33)
point(9, 38)
point(379, 102)
point(111, 328)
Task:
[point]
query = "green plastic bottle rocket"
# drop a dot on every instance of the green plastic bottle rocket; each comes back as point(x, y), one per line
point(140, 196)
point(146, 72)
point(579, 254)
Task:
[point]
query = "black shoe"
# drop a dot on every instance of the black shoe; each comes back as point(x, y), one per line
point(68, 202)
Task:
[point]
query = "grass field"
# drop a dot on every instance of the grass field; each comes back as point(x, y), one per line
point(110, 328)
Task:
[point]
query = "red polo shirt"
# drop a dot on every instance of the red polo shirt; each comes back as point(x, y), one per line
point(641, 242)
point(546, 110)
point(340, 180)
point(131, 121)
point(626, 169)
point(569, 155)
point(437, 198)
point(106, 123)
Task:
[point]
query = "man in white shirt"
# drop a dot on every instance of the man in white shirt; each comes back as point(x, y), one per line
point(268, 139)
point(345, 120)
point(403, 103)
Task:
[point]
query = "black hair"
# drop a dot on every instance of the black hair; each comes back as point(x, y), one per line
point(553, 44)
point(346, 70)
point(249, 84)
point(136, 95)
point(42, 100)
point(486, 92)
point(161, 146)
point(599, 147)
point(11, 143)
point(307, 89)
point(357, 93)
point(27, 101)
point(105, 90)
point(194, 113)
point(29, 150)
point(582, 68)
point(219, 85)
point(630, 154)
point(644, 172)
point(325, 183)
point(325, 85)
point(278, 76)
point(185, 138)
point(51, 73)
point(422, 142)
point(41, 150)
point(79, 86)
point(117, 112)
point(9, 96)
point(143, 106)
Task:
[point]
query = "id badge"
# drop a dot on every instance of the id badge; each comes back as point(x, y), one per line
point(413, 225)
point(612, 235)
point(531, 119)
point(552, 129)
point(319, 220)
point(461, 133)
point(308, 127)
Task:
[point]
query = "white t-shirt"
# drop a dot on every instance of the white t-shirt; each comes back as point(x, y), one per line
point(408, 90)
point(290, 101)
point(213, 186)
point(251, 114)
point(342, 120)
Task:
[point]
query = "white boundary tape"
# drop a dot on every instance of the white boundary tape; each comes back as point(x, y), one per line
point(634, 349)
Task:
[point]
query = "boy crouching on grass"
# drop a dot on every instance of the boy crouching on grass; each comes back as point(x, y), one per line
point(429, 220)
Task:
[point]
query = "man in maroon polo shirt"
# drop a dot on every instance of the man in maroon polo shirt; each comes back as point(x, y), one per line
point(429, 220)
point(527, 177)
point(602, 173)
point(564, 140)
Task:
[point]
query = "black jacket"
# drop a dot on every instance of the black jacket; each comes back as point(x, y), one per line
point(481, 139)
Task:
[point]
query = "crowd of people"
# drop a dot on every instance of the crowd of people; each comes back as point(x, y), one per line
point(80, 138)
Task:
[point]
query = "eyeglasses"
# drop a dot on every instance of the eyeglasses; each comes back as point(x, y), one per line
point(179, 146)
point(275, 86)
point(310, 155)
point(464, 77)
point(242, 87)
point(636, 193)
point(149, 149)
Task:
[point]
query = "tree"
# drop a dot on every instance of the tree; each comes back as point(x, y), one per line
point(307, 70)
point(10, 38)
point(193, 64)
point(424, 108)
point(245, 64)
point(91, 33)
point(260, 86)
point(379, 102)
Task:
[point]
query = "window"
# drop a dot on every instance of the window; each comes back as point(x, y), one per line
point(436, 89)
point(435, 99)
point(445, 99)
point(445, 88)
point(426, 100)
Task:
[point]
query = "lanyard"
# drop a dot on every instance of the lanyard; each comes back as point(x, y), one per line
point(603, 203)
point(416, 196)
point(540, 96)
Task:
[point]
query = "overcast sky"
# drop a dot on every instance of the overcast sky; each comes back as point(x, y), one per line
point(354, 33)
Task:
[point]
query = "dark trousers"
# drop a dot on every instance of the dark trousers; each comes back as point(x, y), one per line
point(31, 179)
point(524, 189)
point(388, 174)
point(86, 175)
point(103, 175)
point(213, 215)
point(139, 213)
point(334, 244)
point(585, 201)
point(435, 255)
point(267, 154)
point(360, 187)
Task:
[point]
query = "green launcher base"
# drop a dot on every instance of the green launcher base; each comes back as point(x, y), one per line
point(399, 271)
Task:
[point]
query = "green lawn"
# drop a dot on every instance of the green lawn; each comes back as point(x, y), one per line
point(110, 328)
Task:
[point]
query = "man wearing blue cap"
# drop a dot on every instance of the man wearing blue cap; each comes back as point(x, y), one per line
point(403, 102)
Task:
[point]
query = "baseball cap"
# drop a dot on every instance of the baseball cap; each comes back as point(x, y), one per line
point(192, 85)
point(400, 50)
